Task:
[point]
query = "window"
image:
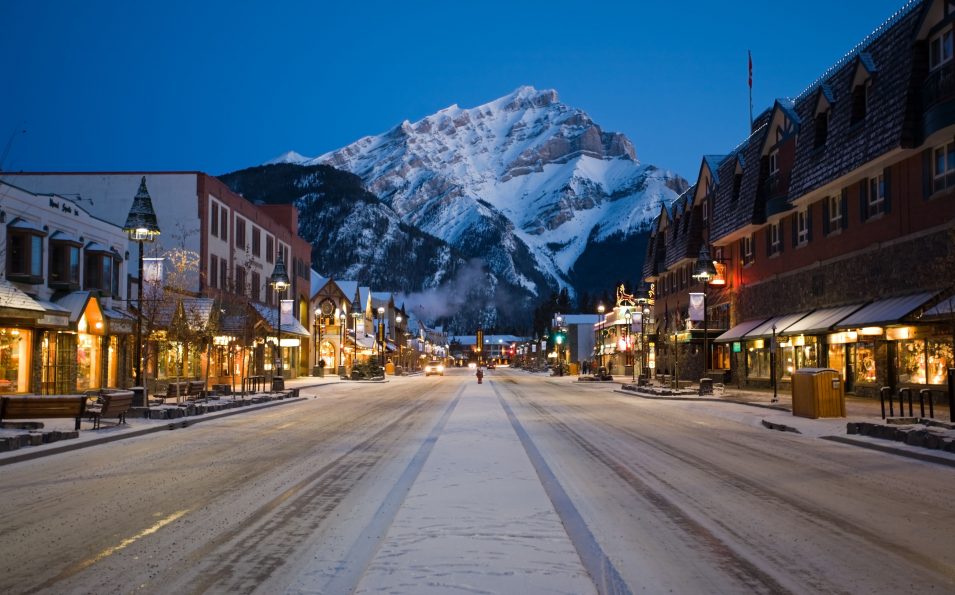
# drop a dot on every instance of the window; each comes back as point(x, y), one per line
point(746, 249)
point(835, 212)
point(822, 129)
point(240, 233)
point(706, 208)
point(940, 49)
point(775, 239)
point(737, 185)
point(256, 286)
point(944, 168)
point(224, 224)
point(269, 249)
point(860, 100)
point(213, 271)
point(24, 253)
point(117, 263)
point(774, 162)
point(802, 227)
point(64, 268)
point(876, 198)
point(240, 280)
point(223, 275)
point(99, 269)
point(214, 220)
point(256, 242)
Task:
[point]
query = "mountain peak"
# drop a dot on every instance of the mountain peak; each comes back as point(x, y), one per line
point(287, 157)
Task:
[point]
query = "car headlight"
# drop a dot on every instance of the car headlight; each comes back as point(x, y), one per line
point(440, 368)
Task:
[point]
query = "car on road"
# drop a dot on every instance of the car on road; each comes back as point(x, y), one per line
point(490, 365)
point(434, 367)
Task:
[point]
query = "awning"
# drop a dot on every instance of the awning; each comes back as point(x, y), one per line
point(943, 309)
point(820, 321)
point(739, 330)
point(888, 311)
point(16, 304)
point(780, 322)
point(119, 323)
point(290, 325)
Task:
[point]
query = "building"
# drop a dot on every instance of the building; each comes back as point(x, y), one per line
point(62, 328)
point(831, 226)
point(214, 244)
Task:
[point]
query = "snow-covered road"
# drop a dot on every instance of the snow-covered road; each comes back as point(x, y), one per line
point(522, 484)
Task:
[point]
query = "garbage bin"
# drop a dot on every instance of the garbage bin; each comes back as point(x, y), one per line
point(139, 396)
point(818, 392)
point(706, 386)
point(278, 383)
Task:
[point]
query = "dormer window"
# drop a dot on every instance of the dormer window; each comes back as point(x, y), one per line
point(737, 185)
point(774, 162)
point(940, 50)
point(706, 210)
point(860, 101)
point(822, 129)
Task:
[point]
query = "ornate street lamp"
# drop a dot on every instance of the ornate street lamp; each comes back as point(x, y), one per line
point(380, 331)
point(398, 337)
point(141, 226)
point(603, 331)
point(280, 282)
point(628, 317)
point(703, 272)
point(356, 313)
point(341, 339)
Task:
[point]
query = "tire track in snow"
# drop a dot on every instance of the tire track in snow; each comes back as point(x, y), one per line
point(602, 571)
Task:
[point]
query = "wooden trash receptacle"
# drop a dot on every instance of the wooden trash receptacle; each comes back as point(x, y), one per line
point(818, 392)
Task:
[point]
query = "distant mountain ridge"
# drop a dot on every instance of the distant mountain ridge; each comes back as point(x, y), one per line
point(525, 184)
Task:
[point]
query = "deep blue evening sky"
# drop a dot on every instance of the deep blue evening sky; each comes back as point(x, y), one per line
point(217, 86)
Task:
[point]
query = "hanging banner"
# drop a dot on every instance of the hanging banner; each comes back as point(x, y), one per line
point(696, 307)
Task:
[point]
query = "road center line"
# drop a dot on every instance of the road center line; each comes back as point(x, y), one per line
point(601, 569)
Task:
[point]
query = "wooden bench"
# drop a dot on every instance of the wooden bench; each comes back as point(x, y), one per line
point(195, 388)
point(115, 405)
point(43, 408)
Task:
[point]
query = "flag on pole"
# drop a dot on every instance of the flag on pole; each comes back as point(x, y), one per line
point(750, 68)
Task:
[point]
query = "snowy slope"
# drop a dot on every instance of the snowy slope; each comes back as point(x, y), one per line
point(523, 182)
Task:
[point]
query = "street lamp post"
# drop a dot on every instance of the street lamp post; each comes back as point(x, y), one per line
point(341, 341)
point(772, 364)
point(280, 282)
point(644, 354)
point(628, 317)
point(399, 339)
point(356, 313)
point(703, 272)
point(380, 331)
point(603, 318)
point(141, 226)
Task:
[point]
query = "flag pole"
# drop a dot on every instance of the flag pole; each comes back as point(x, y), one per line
point(750, 55)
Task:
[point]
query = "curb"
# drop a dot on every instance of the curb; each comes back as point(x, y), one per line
point(700, 399)
point(186, 422)
point(896, 451)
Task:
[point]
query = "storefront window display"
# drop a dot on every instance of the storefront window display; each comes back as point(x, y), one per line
point(14, 360)
point(177, 360)
point(865, 362)
point(800, 352)
point(757, 361)
point(837, 359)
point(923, 361)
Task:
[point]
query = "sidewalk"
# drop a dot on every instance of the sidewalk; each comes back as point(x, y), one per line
point(134, 426)
point(887, 435)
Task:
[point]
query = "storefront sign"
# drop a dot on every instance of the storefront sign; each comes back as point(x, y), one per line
point(120, 326)
point(54, 320)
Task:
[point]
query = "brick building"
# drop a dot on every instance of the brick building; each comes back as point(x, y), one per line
point(237, 244)
point(832, 226)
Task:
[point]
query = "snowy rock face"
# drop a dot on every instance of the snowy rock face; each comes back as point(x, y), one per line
point(524, 182)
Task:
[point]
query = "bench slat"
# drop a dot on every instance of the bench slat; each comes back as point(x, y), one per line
point(43, 407)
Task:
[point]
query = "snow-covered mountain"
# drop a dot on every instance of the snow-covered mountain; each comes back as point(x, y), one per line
point(524, 182)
